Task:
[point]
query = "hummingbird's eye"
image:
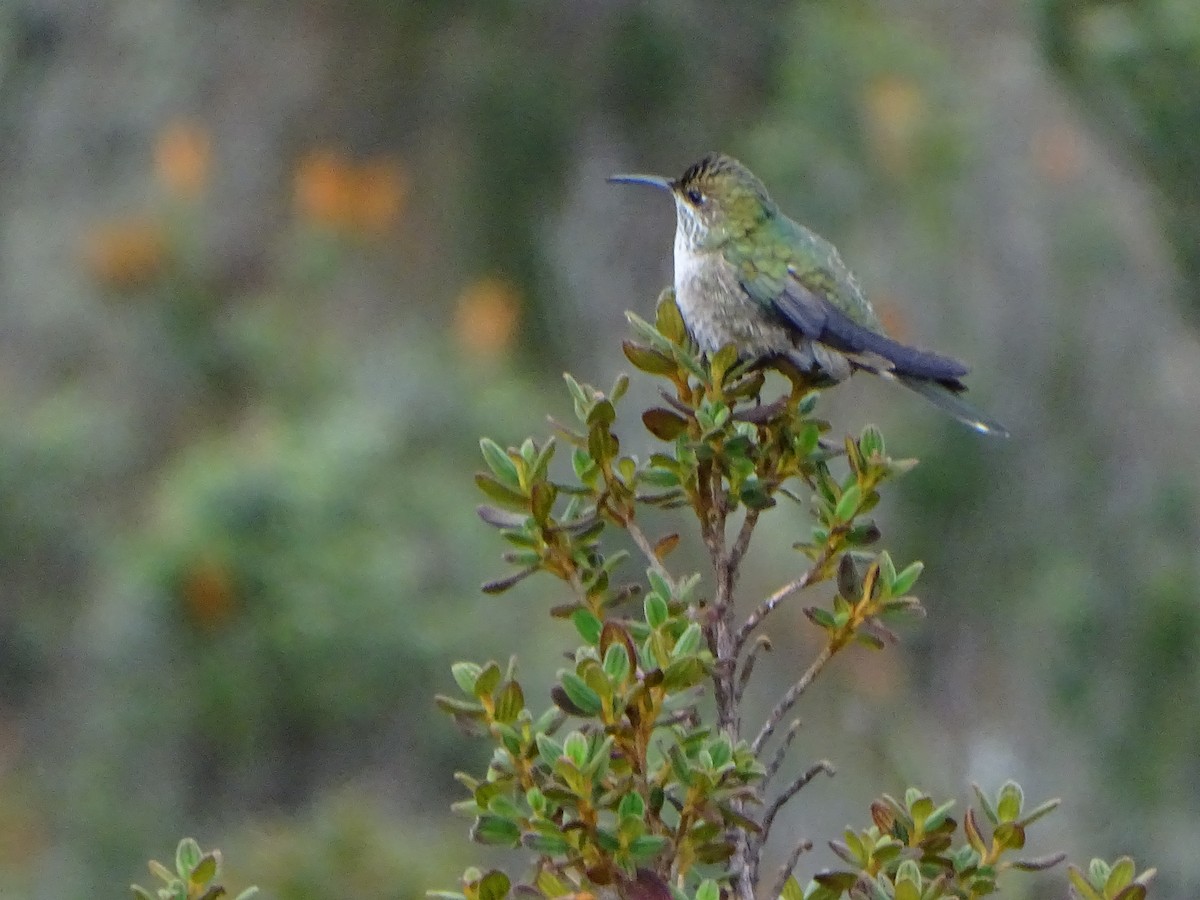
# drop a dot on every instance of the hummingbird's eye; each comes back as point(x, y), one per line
point(696, 198)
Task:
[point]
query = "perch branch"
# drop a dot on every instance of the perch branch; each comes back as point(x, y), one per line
point(781, 752)
point(794, 693)
point(791, 791)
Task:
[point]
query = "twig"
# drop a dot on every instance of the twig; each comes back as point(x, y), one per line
point(765, 608)
point(785, 871)
point(791, 791)
point(687, 715)
point(785, 704)
point(763, 643)
point(781, 752)
point(742, 544)
point(647, 548)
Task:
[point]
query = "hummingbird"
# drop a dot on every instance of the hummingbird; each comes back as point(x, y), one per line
point(747, 275)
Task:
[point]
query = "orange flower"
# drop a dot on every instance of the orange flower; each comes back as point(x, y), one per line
point(182, 158)
point(486, 317)
point(208, 594)
point(365, 198)
point(125, 253)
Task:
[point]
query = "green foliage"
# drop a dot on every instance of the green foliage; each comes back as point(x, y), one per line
point(1134, 64)
point(630, 782)
point(911, 853)
point(1119, 880)
point(195, 876)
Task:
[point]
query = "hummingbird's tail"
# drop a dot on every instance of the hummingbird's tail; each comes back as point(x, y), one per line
point(948, 400)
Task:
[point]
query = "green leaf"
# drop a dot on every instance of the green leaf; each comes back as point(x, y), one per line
point(822, 618)
point(985, 803)
point(575, 749)
point(1121, 874)
point(602, 445)
point(663, 423)
point(655, 609)
point(1040, 810)
point(836, 881)
point(541, 463)
point(667, 320)
point(510, 703)
point(722, 361)
point(1009, 802)
point(935, 819)
point(646, 846)
point(871, 443)
point(631, 806)
point(659, 583)
point(648, 359)
point(806, 440)
point(587, 625)
point(500, 494)
point(206, 869)
point(488, 680)
point(496, 830)
point(187, 857)
point(617, 663)
point(580, 694)
point(754, 494)
point(903, 583)
point(499, 462)
point(542, 496)
point(494, 886)
point(689, 641)
point(578, 394)
point(551, 885)
point(847, 505)
point(682, 674)
point(603, 414)
point(549, 749)
point(708, 890)
point(1082, 885)
point(792, 889)
point(465, 674)
point(546, 844)
point(887, 571)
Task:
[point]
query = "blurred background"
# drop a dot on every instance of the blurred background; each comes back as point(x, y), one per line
point(268, 271)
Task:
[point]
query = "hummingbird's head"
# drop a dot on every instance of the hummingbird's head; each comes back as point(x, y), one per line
point(716, 199)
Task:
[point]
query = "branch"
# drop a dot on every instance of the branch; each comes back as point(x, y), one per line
point(791, 791)
point(785, 704)
point(785, 871)
point(647, 548)
point(780, 753)
point(763, 643)
point(742, 544)
point(765, 608)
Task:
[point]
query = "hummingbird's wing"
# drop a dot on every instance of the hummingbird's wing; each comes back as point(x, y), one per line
point(802, 301)
point(933, 376)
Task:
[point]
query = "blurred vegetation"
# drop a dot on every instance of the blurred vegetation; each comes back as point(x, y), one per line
point(658, 791)
point(1136, 67)
point(270, 269)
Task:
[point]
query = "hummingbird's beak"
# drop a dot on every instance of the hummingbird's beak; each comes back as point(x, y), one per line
point(653, 180)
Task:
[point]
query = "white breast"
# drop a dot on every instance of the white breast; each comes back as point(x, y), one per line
point(688, 271)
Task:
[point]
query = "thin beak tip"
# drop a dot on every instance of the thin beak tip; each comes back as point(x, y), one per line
point(652, 180)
